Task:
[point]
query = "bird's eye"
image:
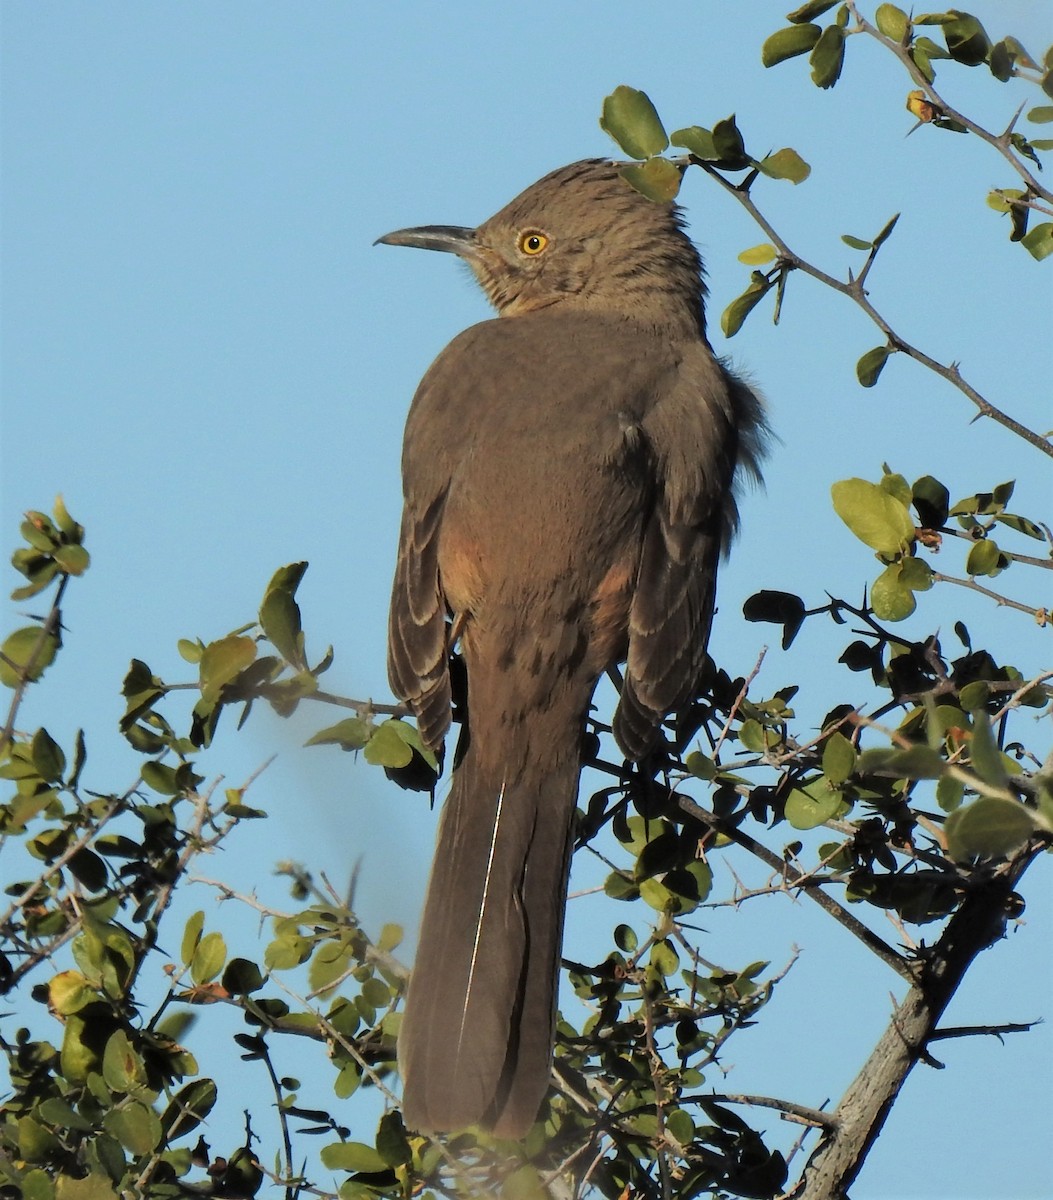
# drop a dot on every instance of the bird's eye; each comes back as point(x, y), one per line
point(531, 242)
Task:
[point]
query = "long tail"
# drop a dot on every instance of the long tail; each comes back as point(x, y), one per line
point(476, 1039)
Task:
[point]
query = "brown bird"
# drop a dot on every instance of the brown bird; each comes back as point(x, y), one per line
point(568, 476)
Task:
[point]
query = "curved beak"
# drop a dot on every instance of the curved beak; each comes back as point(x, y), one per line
point(453, 239)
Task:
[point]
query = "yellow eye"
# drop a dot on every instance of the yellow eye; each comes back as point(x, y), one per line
point(531, 242)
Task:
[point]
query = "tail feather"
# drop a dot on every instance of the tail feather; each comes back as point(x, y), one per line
point(476, 1039)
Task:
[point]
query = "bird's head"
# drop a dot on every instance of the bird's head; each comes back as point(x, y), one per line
point(583, 237)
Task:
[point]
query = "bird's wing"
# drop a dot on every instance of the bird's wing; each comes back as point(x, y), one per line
point(692, 432)
point(418, 648)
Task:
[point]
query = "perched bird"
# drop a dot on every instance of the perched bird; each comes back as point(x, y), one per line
point(568, 476)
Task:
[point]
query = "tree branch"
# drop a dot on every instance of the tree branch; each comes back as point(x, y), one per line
point(861, 1114)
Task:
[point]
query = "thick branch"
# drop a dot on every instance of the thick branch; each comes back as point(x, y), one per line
point(861, 1114)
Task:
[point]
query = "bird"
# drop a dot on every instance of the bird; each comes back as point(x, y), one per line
point(570, 470)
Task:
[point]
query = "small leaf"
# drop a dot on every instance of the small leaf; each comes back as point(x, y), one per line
point(828, 56)
point(631, 120)
point(788, 43)
point(870, 365)
point(698, 140)
point(893, 22)
point(1041, 115)
point(280, 622)
point(967, 40)
point(658, 179)
point(856, 243)
point(983, 558)
point(188, 1108)
point(135, 1126)
point(191, 936)
point(732, 318)
point(729, 144)
point(990, 827)
point(931, 501)
point(785, 164)
point(352, 733)
point(1038, 241)
point(48, 758)
point(875, 517)
point(387, 747)
point(984, 754)
point(209, 958)
point(756, 256)
point(27, 653)
point(814, 8)
point(812, 805)
point(839, 758)
point(222, 661)
point(352, 1156)
point(890, 597)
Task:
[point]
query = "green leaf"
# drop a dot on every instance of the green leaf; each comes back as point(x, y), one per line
point(990, 827)
point(949, 793)
point(785, 164)
point(48, 758)
point(1021, 525)
point(241, 977)
point(188, 1108)
point(209, 958)
point(812, 805)
point(756, 256)
point(788, 43)
point(392, 1144)
point(890, 597)
point(222, 661)
point(870, 365)
point(886, 230)
point(698, 140)
point(814, 8)
point(967, 40)
point(658, 179)
point(135, 1126)
point(191, 936)
point(875, 517)
point(69, 992)
point(984, 558)
point(122, 1068)
point(30, 645)
point(280, 619)
point(931, 501)
point(352, 1156)
point(828, 57)
point(352, 733)
point(916, 574)
point(1042, 114)
point(161, 778)
point(856, 243)
point(839, 758)
point(1038, 241)
point(893, 22)
point(93, 1186)
point(896, 486)
point(729, 144)
point(916, 762)
point(631, 120)
point(732, 318)
point(984, 754)
point(73, 559)
point(664, 958)
point(388, 746)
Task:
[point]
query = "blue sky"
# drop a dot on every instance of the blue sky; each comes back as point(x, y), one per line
point(204, 352)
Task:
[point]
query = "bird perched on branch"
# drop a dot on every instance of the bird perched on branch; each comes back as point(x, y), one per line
point(568, 473)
